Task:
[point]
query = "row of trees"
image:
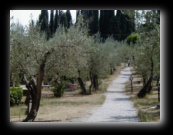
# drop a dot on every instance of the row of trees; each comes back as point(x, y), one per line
point(56, 19)
point(73, 52)
point(118, 26)
point(146, 51)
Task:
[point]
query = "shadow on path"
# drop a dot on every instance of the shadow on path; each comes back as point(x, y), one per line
point(121, 99)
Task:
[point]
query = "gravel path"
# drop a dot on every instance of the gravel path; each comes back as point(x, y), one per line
point(117, 106)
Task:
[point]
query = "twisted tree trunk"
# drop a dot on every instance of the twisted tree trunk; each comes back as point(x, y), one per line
point(94, 82)
point(82, 86)
point(147, 87)
point(35, 89)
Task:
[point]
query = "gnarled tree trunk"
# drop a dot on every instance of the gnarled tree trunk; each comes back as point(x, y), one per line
point(35, 89)
point(147, 87)
point(82, 86)
point(94, 82)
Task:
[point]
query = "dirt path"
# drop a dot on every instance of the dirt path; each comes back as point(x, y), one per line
point(117, 106)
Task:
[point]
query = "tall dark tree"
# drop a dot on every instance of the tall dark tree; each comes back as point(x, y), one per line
point(122, 25)
point(95, 23)
point(101, 24)
point(56, 21)
point(91, 20)
point(43, 22)
point(51, 25)
point(78, 12)
point(114, 28)
point(105, 17)
point(69, 18)
point(86, 17)
point(63, 19)
point(158, 17)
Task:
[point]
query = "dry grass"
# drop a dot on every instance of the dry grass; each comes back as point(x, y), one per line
point(71, 105)
point(144, 105)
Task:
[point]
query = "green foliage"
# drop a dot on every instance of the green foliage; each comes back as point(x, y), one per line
point(133, 38)
point(16, 94)
point(59, 89)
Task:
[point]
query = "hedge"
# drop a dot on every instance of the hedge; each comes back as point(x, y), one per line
point(16, 94)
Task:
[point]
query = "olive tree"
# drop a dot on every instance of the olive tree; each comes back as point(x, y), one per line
point(35, 57)
point(28, 54)
point(147, 58)
point(102, 61)
point(74, 46)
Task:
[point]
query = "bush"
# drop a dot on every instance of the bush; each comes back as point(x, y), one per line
point(16, 94)
point(132, 38)
point(59, 89)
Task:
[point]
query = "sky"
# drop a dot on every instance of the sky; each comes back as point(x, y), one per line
point(24, 16)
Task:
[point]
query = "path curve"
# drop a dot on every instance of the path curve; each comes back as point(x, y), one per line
point(117, 107)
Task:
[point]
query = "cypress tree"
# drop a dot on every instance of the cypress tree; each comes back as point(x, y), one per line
point(158, 17)
point(94, 24)
point(77, 15)
point(69, 18)
point(63, 19)
point(43, 22)
point(101, 24)
point(105, 18)
point(56, 21)
point(122, 24)
point(51, 25)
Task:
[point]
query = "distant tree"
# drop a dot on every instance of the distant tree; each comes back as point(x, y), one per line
point(51, 24)
point(69, 18)
point(56, 21)
point(122, 25)
point(43, 23)
point(105, 17)
point(94, 25)
point(78, 13)
point(63, 19)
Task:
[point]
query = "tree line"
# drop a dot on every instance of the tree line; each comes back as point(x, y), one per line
point(108, 24)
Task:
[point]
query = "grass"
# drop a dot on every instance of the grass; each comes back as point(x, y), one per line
point(149, 116)
point(20, 109)
point(75, 100)
point(144, 105)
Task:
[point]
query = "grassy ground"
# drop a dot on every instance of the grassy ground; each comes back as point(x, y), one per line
point(71, 105)
point(145, 106)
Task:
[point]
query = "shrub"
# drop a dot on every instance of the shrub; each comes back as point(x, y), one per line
point(59, 89)
point(132, 38)
point(16, 94)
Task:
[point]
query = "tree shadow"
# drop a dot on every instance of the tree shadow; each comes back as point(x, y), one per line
point(121, 99)
point(115, 92)
point(125, 74)
point(124, 117)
